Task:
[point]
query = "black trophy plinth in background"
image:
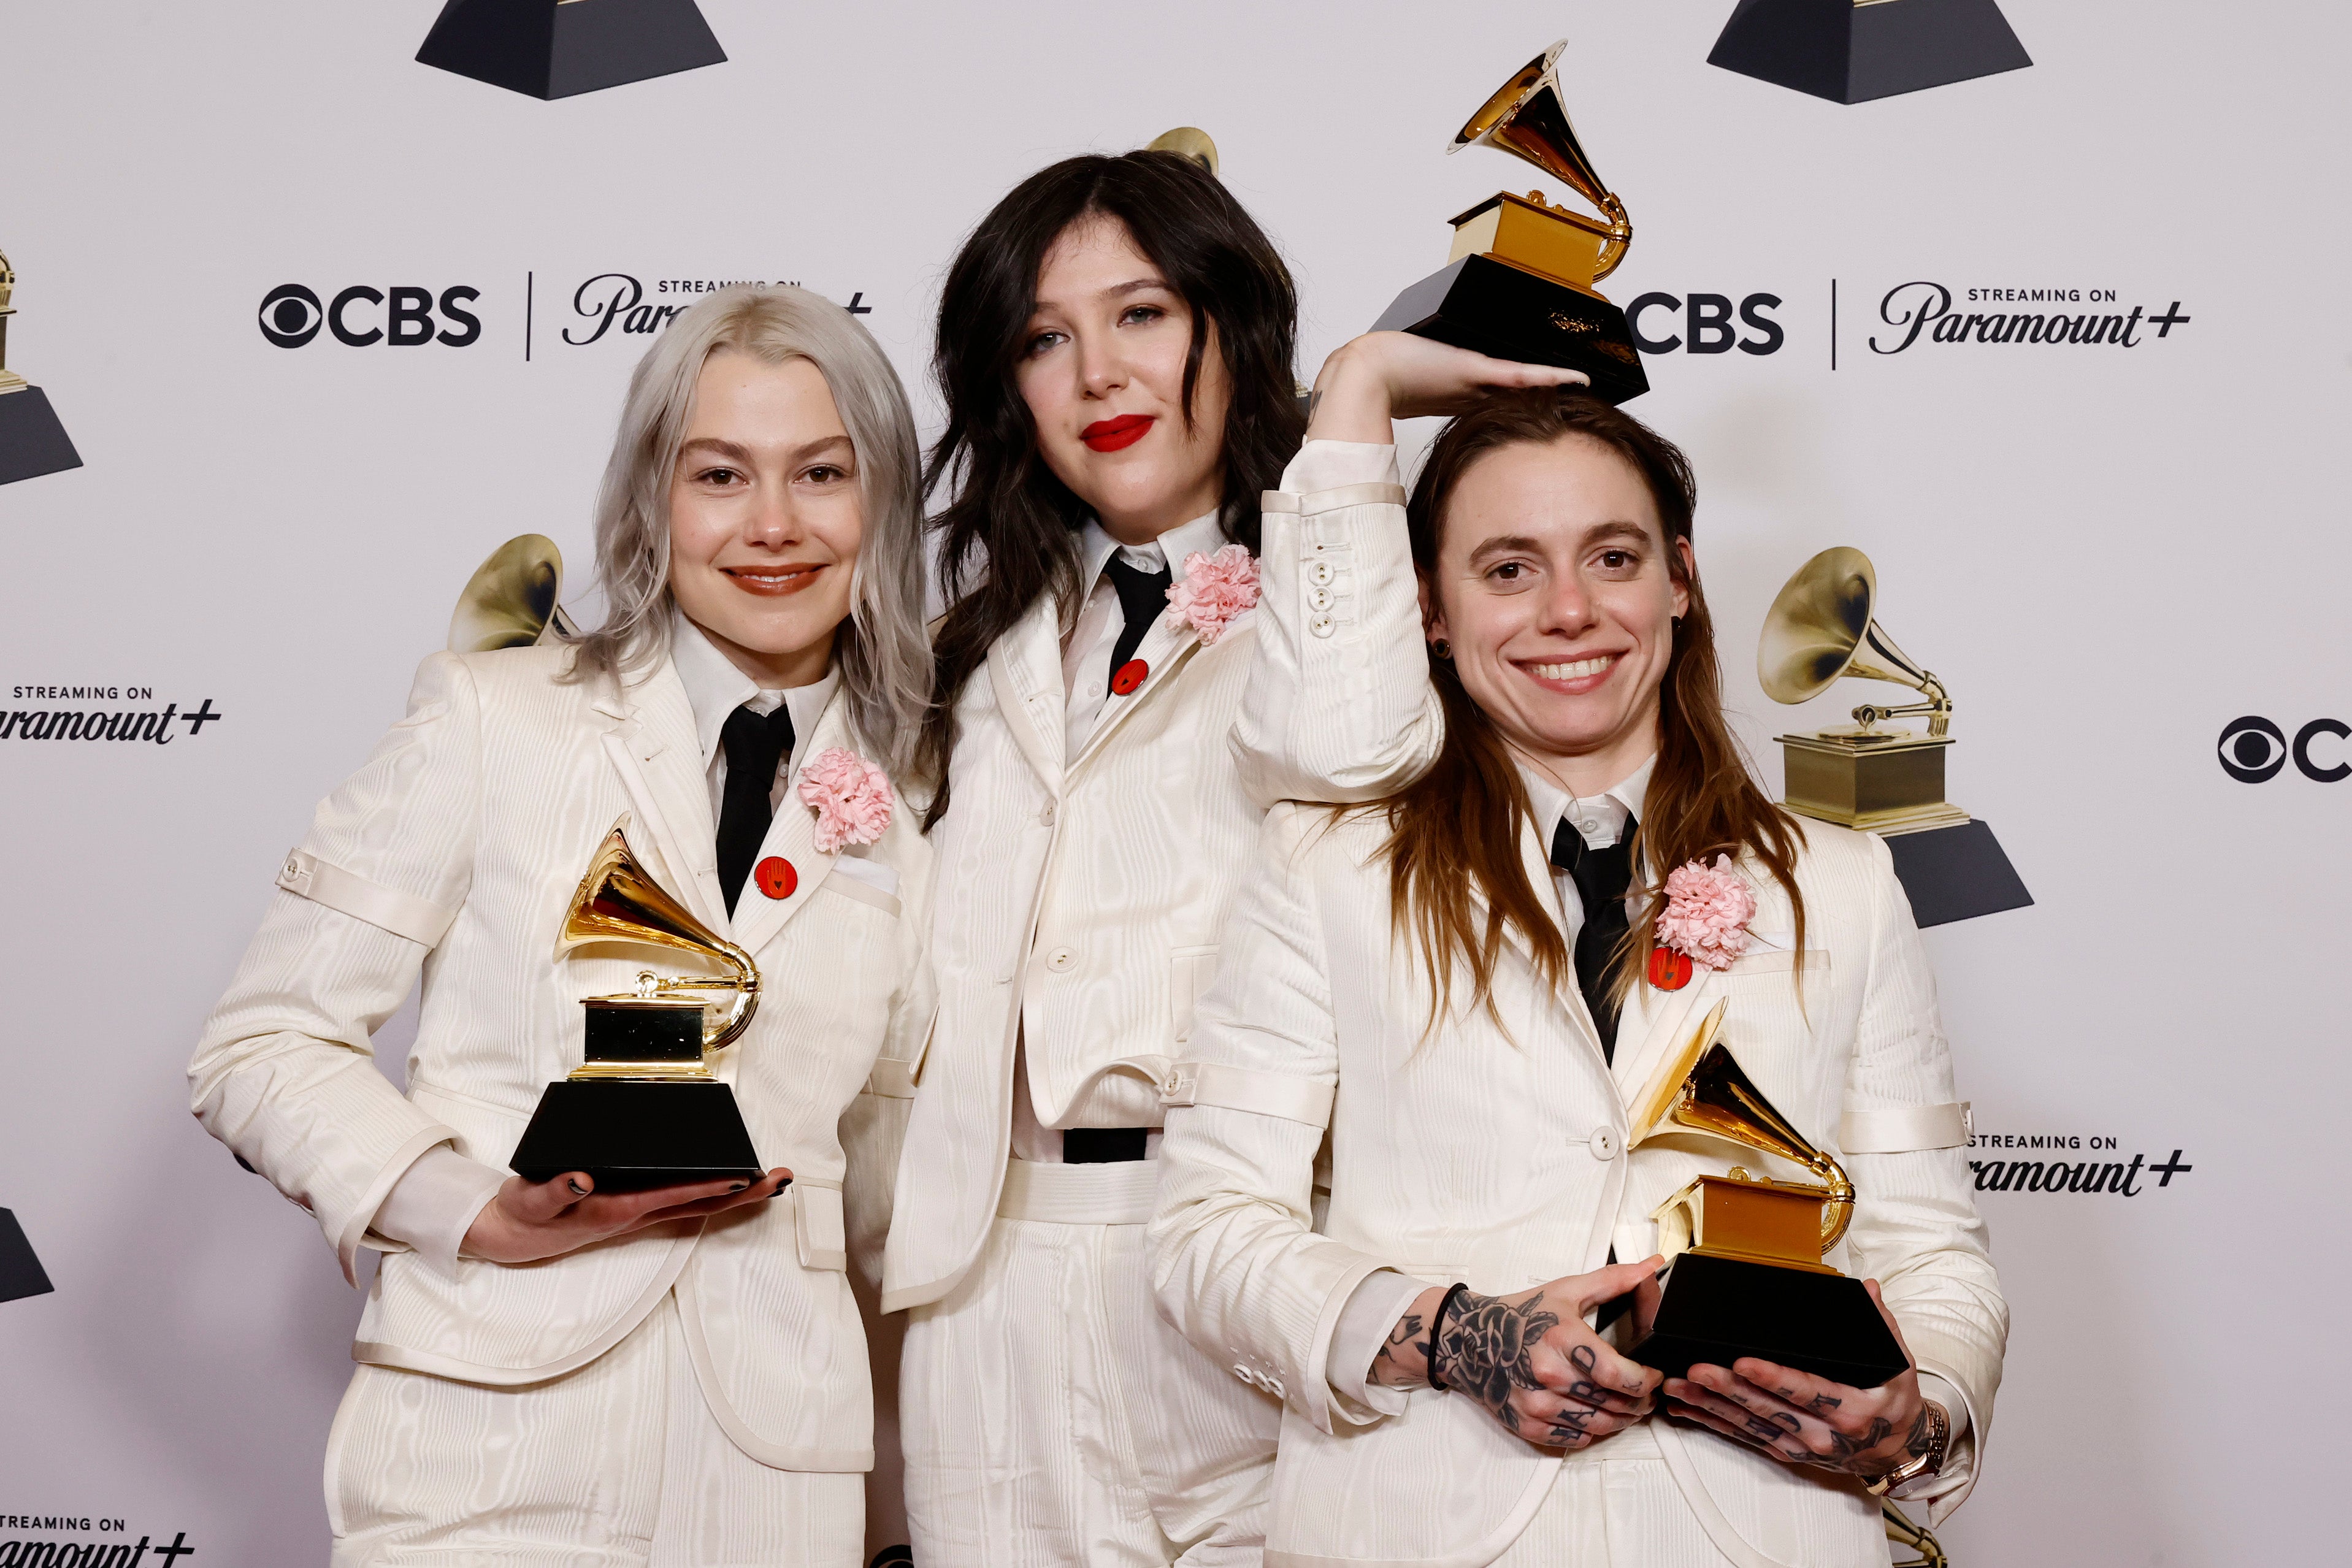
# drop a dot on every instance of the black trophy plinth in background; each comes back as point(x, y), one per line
point(1955, 873)
point(1849, 53)
point(1511, 313)
point(1715, 1310)
point(631, 1133)
point(21, 1273)
point(550, 50)
point(32, 442)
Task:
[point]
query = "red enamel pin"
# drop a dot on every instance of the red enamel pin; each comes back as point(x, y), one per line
point(1129, 676)
point(777, 878)
point(1669, 970)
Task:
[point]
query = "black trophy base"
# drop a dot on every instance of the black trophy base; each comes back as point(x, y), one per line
point(1716, 1310)
point(1955, 873)
point(21, 1273)
point(630, 1134)
point(32, 442)
point(1511, 313)
point(546, 49)
point(1850, 53)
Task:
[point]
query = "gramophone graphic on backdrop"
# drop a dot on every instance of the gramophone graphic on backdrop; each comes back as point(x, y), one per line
point(32, 442)
point(1518, 284)
point(1888, 781)
point(560, 48)
point(1850, 51)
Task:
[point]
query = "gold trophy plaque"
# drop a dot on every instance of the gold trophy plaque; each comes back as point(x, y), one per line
point(643, 1109)
point(1744, 1274)
point(1519, 283)
point(1821, 628)
point(32, 440)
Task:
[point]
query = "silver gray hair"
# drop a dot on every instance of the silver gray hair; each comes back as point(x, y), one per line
point(882, 652)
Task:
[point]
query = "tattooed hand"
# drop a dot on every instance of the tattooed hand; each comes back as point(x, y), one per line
point(1529, 1359)
point(1801, 1419)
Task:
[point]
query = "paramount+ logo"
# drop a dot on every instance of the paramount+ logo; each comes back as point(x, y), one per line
point(2254, 750)
point(363, 316)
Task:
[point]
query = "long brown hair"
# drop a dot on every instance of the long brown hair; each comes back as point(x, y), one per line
point(1455, 832)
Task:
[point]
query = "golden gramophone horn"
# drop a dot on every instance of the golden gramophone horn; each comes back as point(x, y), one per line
point(618, 901)
point(510, 601)
point(1704, 1090)
point(1189, 142)
point(1824, 626)
point(1528, 119)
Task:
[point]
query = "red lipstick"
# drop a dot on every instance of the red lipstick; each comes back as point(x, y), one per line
point(1116, 435)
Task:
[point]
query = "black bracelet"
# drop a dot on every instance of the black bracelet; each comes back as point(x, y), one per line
point(1437, 1327)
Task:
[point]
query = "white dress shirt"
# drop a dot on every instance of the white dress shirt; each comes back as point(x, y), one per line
point(1372, 1310)
point(437, 1198)
point(1086, 656)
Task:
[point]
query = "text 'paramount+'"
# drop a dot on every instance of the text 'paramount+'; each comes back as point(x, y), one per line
point(1922, 311)
point(619, 303)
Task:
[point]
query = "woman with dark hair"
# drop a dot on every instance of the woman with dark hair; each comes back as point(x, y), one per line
point(1471, 977)
point(1113, 711)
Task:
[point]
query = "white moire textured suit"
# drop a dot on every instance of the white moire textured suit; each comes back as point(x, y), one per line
point(697, 1393)
point(1086, 866)
point(1499, 1158)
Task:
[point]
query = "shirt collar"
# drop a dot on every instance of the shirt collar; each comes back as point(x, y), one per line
point(1204, 534)
point(1601, 818)
point(714, 688)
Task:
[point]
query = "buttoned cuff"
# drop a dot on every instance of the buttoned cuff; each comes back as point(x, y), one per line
point(435, 1203)
point(1334, 464)
point(1365, 1324)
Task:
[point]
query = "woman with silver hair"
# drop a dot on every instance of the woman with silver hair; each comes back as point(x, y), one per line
point(549, 1371)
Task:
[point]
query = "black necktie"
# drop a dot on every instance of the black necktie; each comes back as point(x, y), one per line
point(756, 743)
point(1143, 595)
point(1601, 878)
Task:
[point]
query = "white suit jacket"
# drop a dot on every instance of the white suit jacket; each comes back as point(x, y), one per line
point(1082, 898)
point(455, 851)
point(1499, 1159)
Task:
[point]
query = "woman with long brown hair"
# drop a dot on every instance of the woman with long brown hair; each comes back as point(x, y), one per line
point(1469, 978)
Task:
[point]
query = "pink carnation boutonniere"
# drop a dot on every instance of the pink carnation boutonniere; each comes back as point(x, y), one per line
point(1705, 923)
point(1216, 589)
point(851, 797)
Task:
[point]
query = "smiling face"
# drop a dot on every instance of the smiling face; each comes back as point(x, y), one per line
point(1552, 585)
point(1102, 369)
point(765, 517)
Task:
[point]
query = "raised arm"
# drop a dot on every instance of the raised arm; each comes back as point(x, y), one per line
point(1339, 707)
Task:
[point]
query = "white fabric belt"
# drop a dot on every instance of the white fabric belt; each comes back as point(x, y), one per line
point(348, 893)
point(1116, 1194)
point(1378, 493)
point(1906, 1129)
point(1284, 1095)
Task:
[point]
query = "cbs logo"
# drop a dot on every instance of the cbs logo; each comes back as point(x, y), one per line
point(2253, 749)
point(291, 315)
point(1706, 325)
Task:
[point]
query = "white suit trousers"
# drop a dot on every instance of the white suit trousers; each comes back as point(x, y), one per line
point(1053, 1420)
point(618, 1465)
point(1605, 1513)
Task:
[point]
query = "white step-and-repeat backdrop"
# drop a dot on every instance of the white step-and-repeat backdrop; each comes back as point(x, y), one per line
point(2126, 559)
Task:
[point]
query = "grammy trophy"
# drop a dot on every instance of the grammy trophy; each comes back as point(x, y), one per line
point(1518, 284)
point(1744, 1274)
point(32, 440)
point(643, 1108)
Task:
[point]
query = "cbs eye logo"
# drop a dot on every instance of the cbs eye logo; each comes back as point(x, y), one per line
point(291, 315)
point(2254, 750)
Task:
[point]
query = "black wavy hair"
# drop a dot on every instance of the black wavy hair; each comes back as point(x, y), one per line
point(1009, 535)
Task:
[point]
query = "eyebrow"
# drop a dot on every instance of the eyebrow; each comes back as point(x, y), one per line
point(1116, 291)
point(737, 452)
point(1504, 544)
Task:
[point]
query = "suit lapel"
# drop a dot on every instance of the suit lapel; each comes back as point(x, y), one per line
point(655, 750)
point(792, 837)
point(1024, 671)
point(1668, 1017)
point(1535, 862)
point(1163, 651)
